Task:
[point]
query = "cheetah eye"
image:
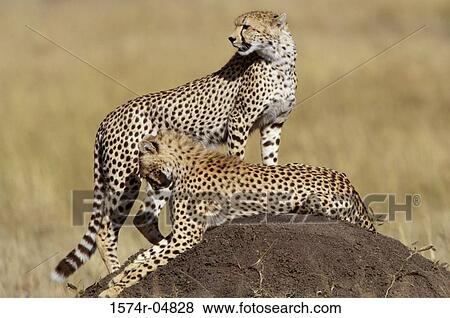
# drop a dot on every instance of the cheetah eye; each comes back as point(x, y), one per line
point(245, 27)
point(147, 146)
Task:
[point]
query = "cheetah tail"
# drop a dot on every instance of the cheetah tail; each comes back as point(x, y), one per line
point(87, 246)
point(370, 219)
point(366, 217)
point(80, 254)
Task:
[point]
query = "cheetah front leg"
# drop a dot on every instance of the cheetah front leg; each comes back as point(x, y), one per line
point(237, 136)
point(240, 121)
point(270, 143)
point(146, 220)
point(149, 260)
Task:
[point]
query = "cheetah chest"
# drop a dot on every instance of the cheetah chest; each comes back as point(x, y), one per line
point(281, 102)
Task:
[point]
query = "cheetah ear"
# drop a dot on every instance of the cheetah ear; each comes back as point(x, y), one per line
point(148, 146)
point(281, 19)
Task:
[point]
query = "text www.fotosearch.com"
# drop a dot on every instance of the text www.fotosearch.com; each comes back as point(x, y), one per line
point(193, 307)
point(252, 308)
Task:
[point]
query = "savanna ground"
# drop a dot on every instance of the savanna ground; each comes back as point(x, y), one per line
point(386, 124)
point(308, 257)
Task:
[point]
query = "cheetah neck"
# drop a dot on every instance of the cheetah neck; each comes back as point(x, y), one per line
point(283, 55)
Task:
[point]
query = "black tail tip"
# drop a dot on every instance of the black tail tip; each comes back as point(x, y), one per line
point(62, 271)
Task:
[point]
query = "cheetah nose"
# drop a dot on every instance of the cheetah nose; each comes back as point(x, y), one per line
point(232, 39)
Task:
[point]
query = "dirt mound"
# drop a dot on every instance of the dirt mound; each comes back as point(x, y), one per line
point(301, 259)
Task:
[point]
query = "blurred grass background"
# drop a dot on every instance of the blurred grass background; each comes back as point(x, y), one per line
point(386, 125)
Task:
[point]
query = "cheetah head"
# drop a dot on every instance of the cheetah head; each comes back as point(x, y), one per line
point(258, 31)
point(154, 165)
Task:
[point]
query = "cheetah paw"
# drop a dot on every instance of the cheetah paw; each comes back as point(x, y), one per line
point(122, 276)
point(116, 279)
point(111, 292)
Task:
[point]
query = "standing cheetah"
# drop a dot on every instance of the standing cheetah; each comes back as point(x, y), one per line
point(208, 188)
point(254, 90)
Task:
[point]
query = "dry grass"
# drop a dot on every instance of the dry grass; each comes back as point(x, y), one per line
point(386, 125)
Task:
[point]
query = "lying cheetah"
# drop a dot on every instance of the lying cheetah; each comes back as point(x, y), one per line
point(254, 90)
point(208, 188)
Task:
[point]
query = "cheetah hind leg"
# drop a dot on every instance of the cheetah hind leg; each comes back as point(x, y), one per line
point(118, 204)
point(103, 246)
point(324, 204)
point(346, 207)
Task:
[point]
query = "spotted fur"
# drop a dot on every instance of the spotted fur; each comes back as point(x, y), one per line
point(254, 90)
point(208, 189)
